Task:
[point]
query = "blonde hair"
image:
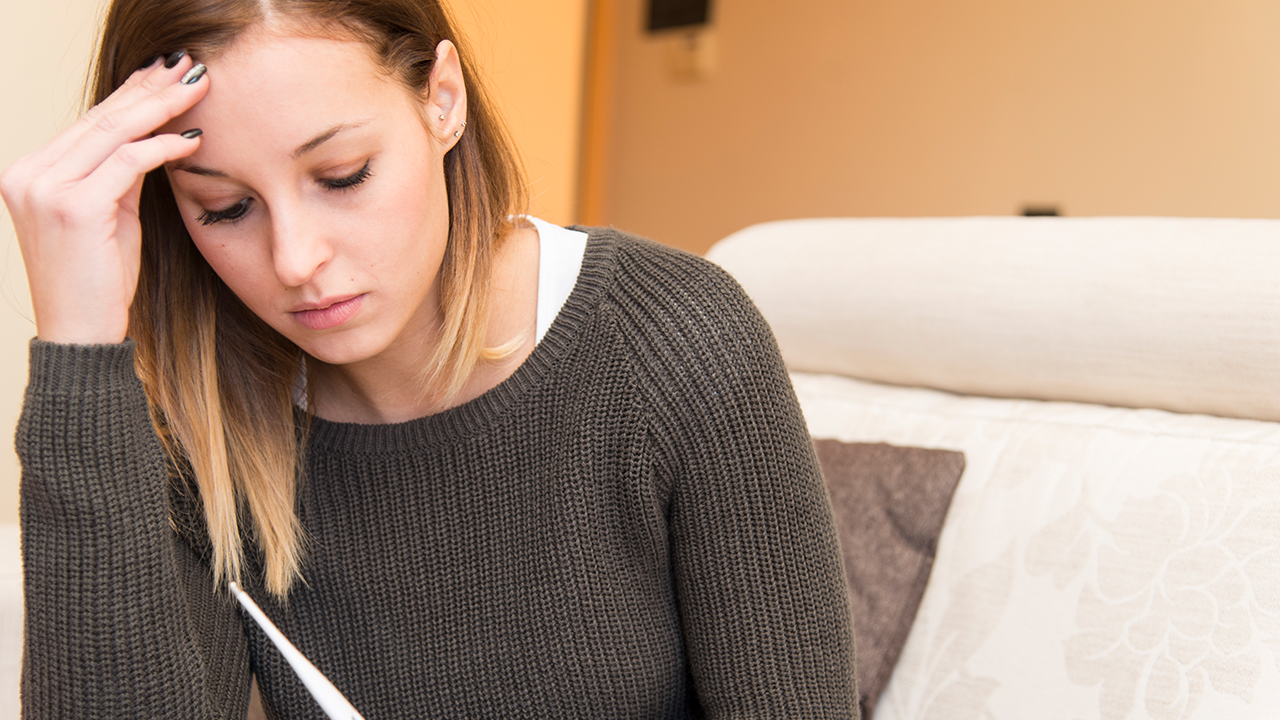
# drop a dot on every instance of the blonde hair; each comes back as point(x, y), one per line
point(221, 382)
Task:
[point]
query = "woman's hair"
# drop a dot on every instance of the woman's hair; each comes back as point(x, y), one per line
point(220, 382)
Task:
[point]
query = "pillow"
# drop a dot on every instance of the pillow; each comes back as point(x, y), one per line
point(889, 504)
point(1170, 313)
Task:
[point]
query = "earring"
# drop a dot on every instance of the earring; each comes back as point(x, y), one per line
point(464, 123)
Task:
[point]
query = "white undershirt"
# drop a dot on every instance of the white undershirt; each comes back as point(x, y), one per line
point(560, 253)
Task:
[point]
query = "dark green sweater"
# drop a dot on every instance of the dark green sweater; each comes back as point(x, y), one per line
point(631, 526)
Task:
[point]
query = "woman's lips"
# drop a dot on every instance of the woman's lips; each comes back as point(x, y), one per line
point(332, 315)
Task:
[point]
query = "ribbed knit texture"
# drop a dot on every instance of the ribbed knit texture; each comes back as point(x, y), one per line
point(633, 525)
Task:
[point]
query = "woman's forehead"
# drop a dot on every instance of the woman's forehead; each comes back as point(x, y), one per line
point(268, 82)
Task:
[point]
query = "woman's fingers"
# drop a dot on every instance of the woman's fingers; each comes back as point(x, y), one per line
point(115, 128)
point(120, 172)
point(148, 81)
point(80, 242)
point(46, 211)
point(74, 203)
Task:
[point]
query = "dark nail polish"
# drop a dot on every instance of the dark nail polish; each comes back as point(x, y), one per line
point(149, 63)
point(194, 74)
point(173, 59)
point(193, 133)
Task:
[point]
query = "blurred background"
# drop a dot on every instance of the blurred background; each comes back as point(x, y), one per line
point(758, 110)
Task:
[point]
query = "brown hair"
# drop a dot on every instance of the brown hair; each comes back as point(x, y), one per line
point(221, 383)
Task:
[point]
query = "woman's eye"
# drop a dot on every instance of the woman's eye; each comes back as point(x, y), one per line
point(238, 210)
point(231, 214)
point(349, 181)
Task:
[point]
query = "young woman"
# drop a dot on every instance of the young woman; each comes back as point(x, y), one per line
point(294, 331)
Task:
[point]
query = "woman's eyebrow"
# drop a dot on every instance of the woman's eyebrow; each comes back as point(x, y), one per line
point(195, 170)
point(301, 150)
point(320, 139)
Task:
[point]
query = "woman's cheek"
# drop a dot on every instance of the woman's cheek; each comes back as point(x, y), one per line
point(242, 275)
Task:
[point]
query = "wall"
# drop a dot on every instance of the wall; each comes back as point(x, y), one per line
point(44, 48)
point(531, 52)
point(933, 107)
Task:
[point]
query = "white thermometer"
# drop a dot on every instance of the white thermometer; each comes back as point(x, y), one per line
point(327, 696)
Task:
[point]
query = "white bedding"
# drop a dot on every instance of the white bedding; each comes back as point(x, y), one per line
point(1096, 561)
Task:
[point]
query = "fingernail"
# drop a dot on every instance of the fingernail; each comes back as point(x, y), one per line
point(149, 63)
point(193, 133)
point(173, 59)
point(194, 74)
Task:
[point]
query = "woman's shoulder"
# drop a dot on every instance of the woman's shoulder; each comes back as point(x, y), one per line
point(632, 248)
point(679, 312)
point(665, 285)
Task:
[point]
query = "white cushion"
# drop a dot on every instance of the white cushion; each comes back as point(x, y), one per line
point(1096, 562)
point(1177, 314)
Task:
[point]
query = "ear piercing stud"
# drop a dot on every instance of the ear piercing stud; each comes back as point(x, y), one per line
point(457, 133)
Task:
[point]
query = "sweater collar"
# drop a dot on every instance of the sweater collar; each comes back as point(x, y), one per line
point(474, 417)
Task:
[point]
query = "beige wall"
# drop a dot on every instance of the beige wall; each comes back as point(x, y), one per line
point(532, 52)
point(933, 107)
point(44, 49)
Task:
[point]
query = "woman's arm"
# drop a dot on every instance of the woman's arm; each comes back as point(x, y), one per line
point(121, 620)
point(755, 555)
point(121, 615)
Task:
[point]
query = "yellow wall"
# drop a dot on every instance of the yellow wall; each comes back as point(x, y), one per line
point(935, 107)
point(531, 51)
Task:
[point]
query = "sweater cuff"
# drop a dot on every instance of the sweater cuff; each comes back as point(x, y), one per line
point(60, 369)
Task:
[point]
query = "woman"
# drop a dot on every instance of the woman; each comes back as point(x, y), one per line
point(293, 331)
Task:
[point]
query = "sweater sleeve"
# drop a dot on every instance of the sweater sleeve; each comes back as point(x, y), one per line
point(121, 615)
point(755, 555)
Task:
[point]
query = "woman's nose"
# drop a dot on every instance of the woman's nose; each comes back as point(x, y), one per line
point(298, 248)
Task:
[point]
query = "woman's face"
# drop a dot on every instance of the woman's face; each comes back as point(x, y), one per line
point(317, 193)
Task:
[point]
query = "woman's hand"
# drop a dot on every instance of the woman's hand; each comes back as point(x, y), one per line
point(74, 203)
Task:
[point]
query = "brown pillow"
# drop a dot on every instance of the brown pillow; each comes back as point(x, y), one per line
point(889, 505)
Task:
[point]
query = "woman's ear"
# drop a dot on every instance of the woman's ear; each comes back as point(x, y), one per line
point(446, 101)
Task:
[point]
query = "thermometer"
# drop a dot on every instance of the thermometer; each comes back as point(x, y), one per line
point(330, 700)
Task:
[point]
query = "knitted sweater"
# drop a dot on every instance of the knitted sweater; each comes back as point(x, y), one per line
point(633, 525)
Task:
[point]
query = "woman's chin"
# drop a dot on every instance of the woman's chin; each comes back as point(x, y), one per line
point(340, 351)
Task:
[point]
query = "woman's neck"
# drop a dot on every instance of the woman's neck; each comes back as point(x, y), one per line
point(387, 388)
